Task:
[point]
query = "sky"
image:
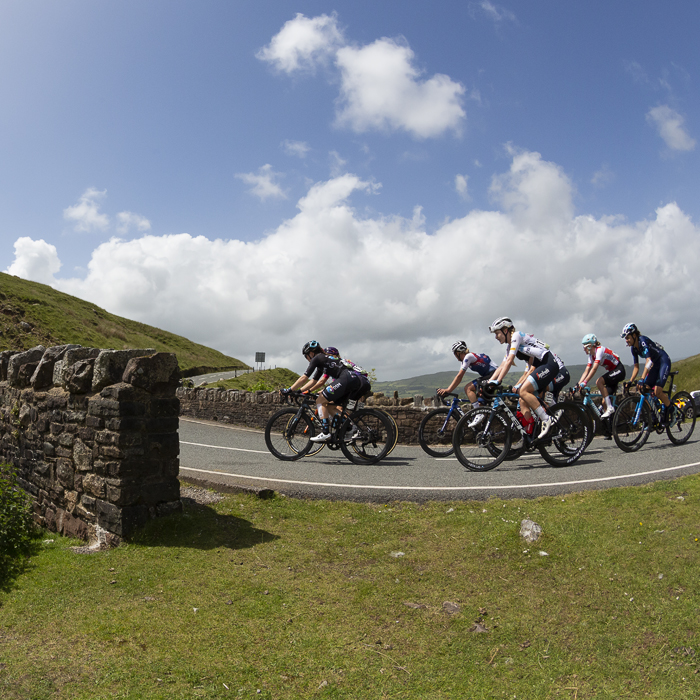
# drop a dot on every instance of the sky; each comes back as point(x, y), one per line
point(386, 177)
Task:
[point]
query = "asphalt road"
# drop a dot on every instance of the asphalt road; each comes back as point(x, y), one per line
point(232, 457)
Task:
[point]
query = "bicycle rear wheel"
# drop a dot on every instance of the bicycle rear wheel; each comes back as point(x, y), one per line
point(631, 433)
point(375, 436)
point(682, 423)
point(484, 444)
point(394, 426)
point(288, 434)
point(568, 437)
point(435, 432)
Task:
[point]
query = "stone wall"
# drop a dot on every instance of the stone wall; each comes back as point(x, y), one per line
point(253, 408)
point(94, 435)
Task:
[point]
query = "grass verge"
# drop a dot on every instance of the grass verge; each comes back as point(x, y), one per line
point(287, 598)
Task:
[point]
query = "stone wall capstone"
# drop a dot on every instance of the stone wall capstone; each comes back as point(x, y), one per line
point(94, 436)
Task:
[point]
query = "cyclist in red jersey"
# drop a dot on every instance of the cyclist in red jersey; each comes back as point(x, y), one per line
point(608, 382)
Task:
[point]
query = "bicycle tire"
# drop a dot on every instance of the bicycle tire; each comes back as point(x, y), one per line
point(682, 424)
point(568, 437)
point(594, 422)
point(288, 434)
point(482, 447)
point(375, 440)
point(315, 447)
point(432, 438)
point(396, 429)
point(630, 435)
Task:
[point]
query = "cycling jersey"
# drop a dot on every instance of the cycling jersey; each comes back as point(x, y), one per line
point(649, 350)
point(604, 356)
point(525, 346)
point(481, 364)
point(322, 364)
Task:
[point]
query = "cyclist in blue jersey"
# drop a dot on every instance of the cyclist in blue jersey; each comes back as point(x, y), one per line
point(657, 365)
point(542, 369)
point(479, 363)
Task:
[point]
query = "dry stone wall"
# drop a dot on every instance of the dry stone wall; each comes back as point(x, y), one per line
point(94, 435)
point(253, 408)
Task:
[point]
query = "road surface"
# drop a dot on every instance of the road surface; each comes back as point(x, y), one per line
point(233, 457)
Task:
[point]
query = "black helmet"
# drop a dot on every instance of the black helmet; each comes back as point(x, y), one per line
point(311, 346)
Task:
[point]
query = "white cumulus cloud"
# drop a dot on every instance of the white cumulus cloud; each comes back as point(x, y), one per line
point(263, 184)
point(381, 88)
point(85, 215)
point(393, 295)
point(670, 126)
point(302, 43)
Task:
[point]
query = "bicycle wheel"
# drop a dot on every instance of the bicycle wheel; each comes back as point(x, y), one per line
point(568, 437)
point(395, 427)
point(288, 434)
point(631, 433)
point(375, 436)
point(435, 432)
point(481, 439)
point(682, 423)
point(594, 422)
point(315, 447)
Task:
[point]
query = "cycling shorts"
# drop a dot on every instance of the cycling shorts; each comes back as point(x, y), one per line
point(612, 378)
point(545, 373)
point(560, 381)
point(658, 374)
point(481, 380)
point(349, 385)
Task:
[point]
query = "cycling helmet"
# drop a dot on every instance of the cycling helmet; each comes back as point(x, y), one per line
point(311, 346)
point(330, 350)
point(501, 322)
point(589, 339)
point(629, 328)
point(459, 346)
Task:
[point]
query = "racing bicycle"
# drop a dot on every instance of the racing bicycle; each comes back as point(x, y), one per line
point(436, 429)
point(364, 435)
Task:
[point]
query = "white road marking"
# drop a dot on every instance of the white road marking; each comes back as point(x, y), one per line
point(219, 447)
point(443, 488)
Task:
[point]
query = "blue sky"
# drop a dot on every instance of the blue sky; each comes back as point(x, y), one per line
point(386, 178)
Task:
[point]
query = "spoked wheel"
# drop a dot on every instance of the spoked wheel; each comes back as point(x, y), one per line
point(368, 437)
point(481, 439)
point(435, 432)
point(629, 430)
point(568, 437)
point(288, 434)
point(682, 423)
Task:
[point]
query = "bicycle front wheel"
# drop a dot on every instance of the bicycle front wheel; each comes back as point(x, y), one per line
point(435, 432)
point(288, 434)
point(682, 422)
point(481, 439)
point(629, 430)
point(568, 438)
point(367, 437)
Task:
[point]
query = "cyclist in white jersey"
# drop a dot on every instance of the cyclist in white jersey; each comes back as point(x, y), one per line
point(541, 370)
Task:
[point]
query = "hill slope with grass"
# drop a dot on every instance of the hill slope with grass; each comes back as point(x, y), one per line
point(35, 314)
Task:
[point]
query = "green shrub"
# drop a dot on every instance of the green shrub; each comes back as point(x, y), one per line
point(16, 525)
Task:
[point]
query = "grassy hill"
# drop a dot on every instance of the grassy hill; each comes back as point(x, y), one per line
point(35, 314)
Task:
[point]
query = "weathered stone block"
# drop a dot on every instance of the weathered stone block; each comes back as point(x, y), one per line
point(110, 366)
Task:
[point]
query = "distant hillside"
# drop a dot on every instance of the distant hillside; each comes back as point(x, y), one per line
point(425, 385)
point(34, 314)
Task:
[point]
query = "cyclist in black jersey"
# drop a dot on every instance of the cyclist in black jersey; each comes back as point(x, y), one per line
point(345, 384)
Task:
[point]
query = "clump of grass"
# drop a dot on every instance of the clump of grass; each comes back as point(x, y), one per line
point(291, 599)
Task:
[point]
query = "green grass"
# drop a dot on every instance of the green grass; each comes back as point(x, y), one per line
point(262, 380)
point(55, 318)
point(291, 599)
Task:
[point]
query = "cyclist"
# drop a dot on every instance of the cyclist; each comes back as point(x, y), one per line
point(479, 363)
point(542, 369)
point(346, 384)
point(607, 383)
point(657, 365)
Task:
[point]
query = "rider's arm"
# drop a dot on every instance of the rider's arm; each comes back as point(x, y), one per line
point(503, 368)
point(589, 372)
point(455, 383)
point(635, 371)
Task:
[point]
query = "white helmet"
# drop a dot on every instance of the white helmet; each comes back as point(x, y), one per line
point(501, 322)
point(459, 346)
